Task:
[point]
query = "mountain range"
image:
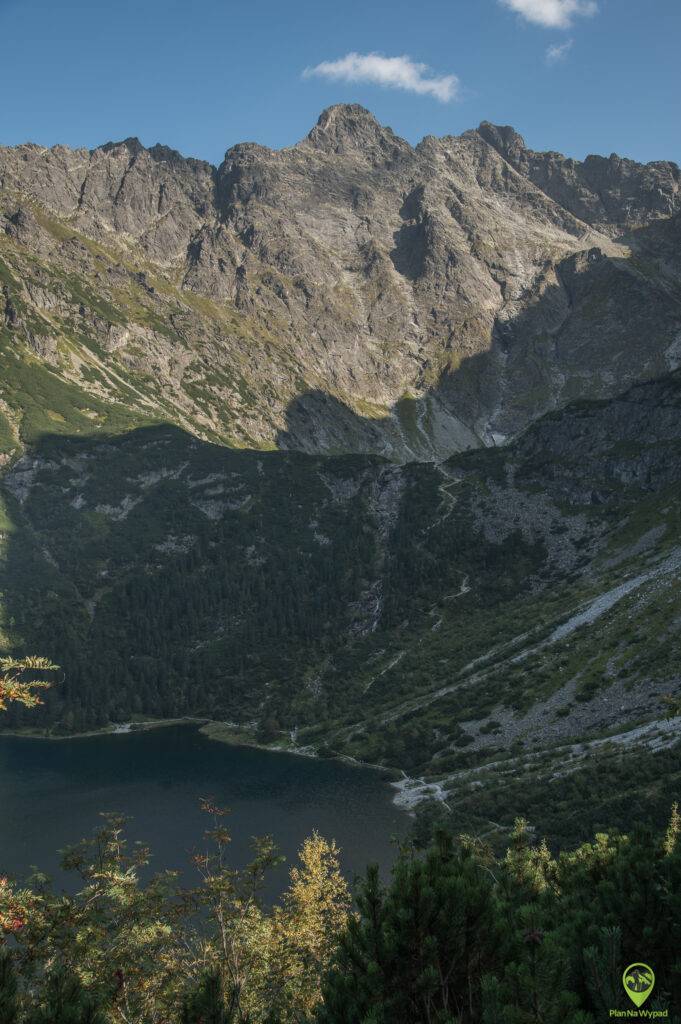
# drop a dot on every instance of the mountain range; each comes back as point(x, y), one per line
point(354, 447)
point(349, 293)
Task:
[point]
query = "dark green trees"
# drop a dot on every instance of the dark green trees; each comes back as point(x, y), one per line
point(64, 1001)
point(417, 952)
point(459, 936)
point(462, 938)
point(8, 989)
point(206, 1003)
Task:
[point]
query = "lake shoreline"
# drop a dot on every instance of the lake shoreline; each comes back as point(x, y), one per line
point(231, 735)
point(124, 729)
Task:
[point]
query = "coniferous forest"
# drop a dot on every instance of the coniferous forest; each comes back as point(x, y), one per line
point(457, 935)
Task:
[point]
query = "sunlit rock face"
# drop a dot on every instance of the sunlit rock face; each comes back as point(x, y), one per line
point(351, 293)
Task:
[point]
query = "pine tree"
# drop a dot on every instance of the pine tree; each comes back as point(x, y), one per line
point(420, 949)
point(356, 980)
point(206, 1003)
point(603, 966)
point(8, 989)
point(64, 1001)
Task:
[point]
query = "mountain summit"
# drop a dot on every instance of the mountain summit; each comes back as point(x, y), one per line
point(352, 128)
point(351, 293)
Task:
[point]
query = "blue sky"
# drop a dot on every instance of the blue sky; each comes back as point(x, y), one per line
point(579, 76)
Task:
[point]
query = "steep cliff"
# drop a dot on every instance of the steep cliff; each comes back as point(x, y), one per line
point(349, 293)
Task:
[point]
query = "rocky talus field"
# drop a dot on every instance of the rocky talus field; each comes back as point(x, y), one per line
point(355, 447)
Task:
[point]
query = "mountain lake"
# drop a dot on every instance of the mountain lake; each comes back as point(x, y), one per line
point(52, 793)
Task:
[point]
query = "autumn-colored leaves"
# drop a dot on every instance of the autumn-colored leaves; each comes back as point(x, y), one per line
point(19, 683)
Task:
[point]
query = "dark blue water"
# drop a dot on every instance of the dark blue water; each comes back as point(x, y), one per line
point(52, 793)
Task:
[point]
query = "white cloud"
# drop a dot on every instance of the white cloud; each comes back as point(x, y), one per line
point(552, 13)
point(554, 54)
point(391, 72)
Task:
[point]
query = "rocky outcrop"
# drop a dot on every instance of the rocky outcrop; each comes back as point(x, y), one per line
point(612, 193)
point(594, 454)
point(154, 197)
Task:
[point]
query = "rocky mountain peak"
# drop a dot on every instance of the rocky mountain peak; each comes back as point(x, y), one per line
point(504, 138)
point(132, 145)
point(349, 127)
point(244, 153)
point(407, 301)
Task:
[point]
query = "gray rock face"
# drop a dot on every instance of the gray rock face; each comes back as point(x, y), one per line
point(154, 197)
point(352, 292)
point(611, 193)
point(596, 453)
